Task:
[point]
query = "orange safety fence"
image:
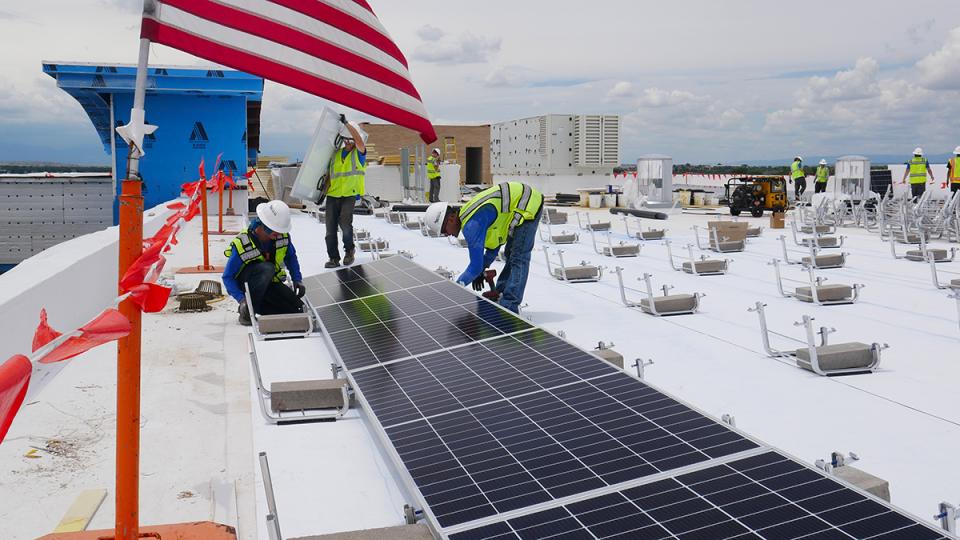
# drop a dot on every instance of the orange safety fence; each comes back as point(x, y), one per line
point(138, 284)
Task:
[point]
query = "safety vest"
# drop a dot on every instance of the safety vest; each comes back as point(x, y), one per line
point(823, 174)
point(346, 175)
point(249, 252)
point(515, 203)
point(954, 173)
point(433, 170)
point(796, 170)
point(918, 170)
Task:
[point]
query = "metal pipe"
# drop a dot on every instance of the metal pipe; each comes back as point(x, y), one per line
point(648, 214)
point(271, 501)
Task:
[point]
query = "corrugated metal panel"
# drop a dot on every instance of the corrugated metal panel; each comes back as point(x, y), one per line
point(38, 212)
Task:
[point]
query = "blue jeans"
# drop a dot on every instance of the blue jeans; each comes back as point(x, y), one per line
point(513, 278)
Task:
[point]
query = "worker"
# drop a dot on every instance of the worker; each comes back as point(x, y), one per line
point(503, 215)
point(918, 168)
point(798, 177)
point(821, 177)
point(953, 171)
point(256, 260)
point(433, 173)
point(346, 174)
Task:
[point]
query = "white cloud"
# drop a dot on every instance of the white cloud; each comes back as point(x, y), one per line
point(622, 89)
point(510, 77)
point(657, 98)
point(430, 33)
point(466, 48)
point(941, 69)
point(861, 82)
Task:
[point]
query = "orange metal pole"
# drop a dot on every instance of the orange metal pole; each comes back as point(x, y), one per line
point(203, 212)
point(220, 203)
point(128, 372)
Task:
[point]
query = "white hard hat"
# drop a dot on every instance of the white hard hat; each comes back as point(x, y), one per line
point(433, 218)
point(345, 133)
point(918, 151)
point(437, 151)
point(275, 215)
point(957, 150)
point(799, 157)
point(823, 162)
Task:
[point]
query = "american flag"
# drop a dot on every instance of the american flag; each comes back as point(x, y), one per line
point(335, 49)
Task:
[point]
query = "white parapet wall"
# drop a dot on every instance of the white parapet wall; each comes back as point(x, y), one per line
point(73, 280)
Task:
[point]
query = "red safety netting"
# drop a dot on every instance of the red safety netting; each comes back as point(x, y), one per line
point(138, 284)
point(14, 379)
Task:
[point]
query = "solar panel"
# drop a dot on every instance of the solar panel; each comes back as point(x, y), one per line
point(764, 496)
point(399, 324)
point(378, 277)
point(502, 430)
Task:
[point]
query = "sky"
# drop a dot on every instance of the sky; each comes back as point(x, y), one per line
point(704, 81)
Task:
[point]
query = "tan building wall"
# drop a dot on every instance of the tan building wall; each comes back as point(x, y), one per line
point(388, 139)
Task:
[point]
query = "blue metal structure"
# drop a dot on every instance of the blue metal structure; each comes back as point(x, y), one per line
point(200, 113)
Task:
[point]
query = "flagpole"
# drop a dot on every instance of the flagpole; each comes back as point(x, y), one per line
point(127, 524)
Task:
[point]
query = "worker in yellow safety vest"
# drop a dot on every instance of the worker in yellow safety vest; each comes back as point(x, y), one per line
point(953, 171)
point(433, 174)
point(256, 259)
point(347, 169)
point(503, 215)
point(798, 177)
point(821, 177)
point(917, 169)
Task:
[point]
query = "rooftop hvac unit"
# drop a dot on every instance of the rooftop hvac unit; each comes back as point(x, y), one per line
point(596, 140)
point(851, 177)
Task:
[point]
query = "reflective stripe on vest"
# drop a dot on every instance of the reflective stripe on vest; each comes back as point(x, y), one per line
point(954, 173)
point(796, 170)
point(249, 252)
point(918, 170)
point(515, 203)
point(823, 173)
point(433, 171)
point(346, 175)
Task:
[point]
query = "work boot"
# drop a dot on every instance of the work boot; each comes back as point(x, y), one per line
point(348, 257)
point(332, 263)
point(245, 315)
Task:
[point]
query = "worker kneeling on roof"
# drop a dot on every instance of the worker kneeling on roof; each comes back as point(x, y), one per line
point(257, 258)
point(505, 214)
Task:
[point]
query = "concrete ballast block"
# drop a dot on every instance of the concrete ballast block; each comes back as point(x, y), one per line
point(609, 355)
point(670, 304)
point(400, 532)
point(825, 293)
point(279, 324)
point(603, 226)
point(864, 480)
point(840, 356)
point(578, 272)
point(305, 395)
point(564, 238)
point(917, 255)
point(622, 251)
point(835, 260)
point(651, 235)
point(708, 265)
point(955, 283)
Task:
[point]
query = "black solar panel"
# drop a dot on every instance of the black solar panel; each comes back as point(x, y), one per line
point(378, 277)
point(767, 496)
point(492, 418)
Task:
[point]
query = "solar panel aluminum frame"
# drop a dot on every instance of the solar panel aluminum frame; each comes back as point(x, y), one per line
point(413, 494)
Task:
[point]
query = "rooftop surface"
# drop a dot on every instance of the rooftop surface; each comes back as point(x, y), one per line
point(202, 430)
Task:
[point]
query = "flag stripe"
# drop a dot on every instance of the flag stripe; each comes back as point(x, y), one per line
point(290, 57)
point(264, 67)
point(364, 4)
point(369, 31)
point(318, 29)
point(294, 39)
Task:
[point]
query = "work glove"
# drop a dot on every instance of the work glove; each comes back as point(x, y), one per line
point(299, 289)
point(478, 283)
point(343, 119)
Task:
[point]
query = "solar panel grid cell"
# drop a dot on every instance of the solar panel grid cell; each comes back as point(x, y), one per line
point(747, 498)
